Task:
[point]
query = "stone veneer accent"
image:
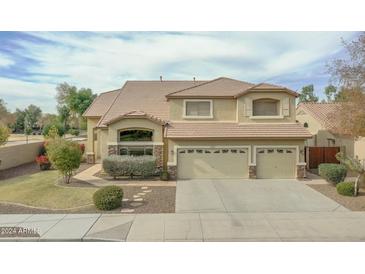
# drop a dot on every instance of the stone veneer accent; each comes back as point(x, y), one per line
point(252, 172)
point(301, 171)
point(113, 150)
point(158, 153)
point(172, 170)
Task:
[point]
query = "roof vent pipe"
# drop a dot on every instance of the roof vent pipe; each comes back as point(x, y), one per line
point(161, 78)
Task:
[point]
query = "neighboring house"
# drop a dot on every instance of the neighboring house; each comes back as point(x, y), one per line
point(222, 128)
point(316, 117)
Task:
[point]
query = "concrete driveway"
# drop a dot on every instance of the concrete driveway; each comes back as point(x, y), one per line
point(276, 195)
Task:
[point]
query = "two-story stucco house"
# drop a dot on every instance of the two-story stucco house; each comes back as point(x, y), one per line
point(223, 128)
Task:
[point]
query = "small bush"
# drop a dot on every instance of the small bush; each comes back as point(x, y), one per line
point(43, 162)
point(108, 197)
point(59, 127)
point(65, 156)
point(116, 165)
point(74, 132)
point(346, 188)
point(4, 134)
point(82, 148)
point(334, 173)
point(164, 176)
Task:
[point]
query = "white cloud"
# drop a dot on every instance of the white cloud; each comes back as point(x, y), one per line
point(5, 61)
point(103, 61)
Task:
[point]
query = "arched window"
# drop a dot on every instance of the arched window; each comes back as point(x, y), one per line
point(305, 124)
point(266, 107)
point(135, 135)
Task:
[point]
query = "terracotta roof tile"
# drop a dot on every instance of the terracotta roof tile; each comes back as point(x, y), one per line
point(146, 96)
point(235, 130)
point(322, 112)
point(101, 104)
point(220, 87)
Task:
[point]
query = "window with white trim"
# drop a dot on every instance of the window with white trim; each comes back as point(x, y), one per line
point(201, 109)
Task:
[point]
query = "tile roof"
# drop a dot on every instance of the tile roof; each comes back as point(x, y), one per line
point(220, 87)
point(264, 87)
point(146, 96)
point(235, 130)
point(101, 104)
point(322, 112)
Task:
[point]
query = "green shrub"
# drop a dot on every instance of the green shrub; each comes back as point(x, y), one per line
point(108, 197)
point(48, 127)
point(116, 165)
point(346, 188)
point(64, 156)
point(334, 173)
point(164, 175)
point(74, 131)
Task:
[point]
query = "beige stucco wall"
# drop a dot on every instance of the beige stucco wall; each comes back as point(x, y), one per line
point(359, 148)
point(91, 124)
point(251, 143)
point(134, 123)
point(223, 110)
point(15, 155)
point(247, 99)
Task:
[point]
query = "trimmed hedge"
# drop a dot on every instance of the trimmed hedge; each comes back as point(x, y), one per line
point(116, 166)
point(334, 173)
point(346, 188)
point(108, 197)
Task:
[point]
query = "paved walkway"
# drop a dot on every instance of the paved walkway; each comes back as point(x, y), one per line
point(88, 176)
point(310, 226)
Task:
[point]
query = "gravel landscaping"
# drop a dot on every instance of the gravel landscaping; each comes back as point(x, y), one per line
point(352, 203)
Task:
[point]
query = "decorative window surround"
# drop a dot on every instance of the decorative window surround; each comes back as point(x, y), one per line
point(267, 117)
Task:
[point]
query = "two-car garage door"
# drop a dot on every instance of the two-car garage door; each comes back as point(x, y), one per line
point(233, 163)
point(219, 163)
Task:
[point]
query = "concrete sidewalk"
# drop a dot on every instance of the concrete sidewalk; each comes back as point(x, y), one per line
point(294, 226)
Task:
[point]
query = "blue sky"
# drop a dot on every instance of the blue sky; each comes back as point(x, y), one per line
point(32, 63)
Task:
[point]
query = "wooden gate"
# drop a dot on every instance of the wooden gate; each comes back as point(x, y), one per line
point(318, 155)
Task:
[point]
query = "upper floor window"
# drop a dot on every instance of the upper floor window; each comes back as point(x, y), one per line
point(134, 135)
point(266, 107)
point(198, 109)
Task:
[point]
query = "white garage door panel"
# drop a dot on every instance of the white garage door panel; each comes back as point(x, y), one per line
point(196, 163)
point(276, 163)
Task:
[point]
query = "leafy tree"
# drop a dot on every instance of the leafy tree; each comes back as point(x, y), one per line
point(331, 93)
point(354, 165)
point(349, 71)
point(72, 103)
point(307, 94)
point(19, 120)
point(33, 114)
point(65, 156)
point(4, 134)
point(27, 127)
point(64, 115)
point(46, 119)
point(6, 118)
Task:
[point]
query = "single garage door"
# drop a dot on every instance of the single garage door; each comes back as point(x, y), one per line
point(199, 163)
point(275, 163)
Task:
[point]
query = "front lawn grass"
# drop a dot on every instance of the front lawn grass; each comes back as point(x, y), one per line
point(40, 190)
